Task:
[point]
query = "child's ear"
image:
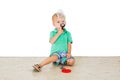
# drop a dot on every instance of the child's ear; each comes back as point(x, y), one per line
point(53, 23)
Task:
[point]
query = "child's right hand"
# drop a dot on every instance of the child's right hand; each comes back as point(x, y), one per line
point(60, 30)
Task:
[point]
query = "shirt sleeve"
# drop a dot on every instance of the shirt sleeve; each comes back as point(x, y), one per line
point(51, 35)
point(69, 38)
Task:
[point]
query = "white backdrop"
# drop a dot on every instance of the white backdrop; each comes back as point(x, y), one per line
point(25, 26)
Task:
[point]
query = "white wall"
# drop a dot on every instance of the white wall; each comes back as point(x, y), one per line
point(25, 26)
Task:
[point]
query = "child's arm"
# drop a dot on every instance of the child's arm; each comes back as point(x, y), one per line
point(52, 40)
point(69, 50)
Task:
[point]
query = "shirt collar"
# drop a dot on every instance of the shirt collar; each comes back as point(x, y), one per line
point(55, 30)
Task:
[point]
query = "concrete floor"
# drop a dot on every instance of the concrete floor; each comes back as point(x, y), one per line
point(85, 68)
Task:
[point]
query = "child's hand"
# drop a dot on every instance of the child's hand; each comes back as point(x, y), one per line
point(68, 55)
point(60, 31)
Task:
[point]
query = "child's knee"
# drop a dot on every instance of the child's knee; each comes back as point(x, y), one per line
point(54, 58)
point(70, 62)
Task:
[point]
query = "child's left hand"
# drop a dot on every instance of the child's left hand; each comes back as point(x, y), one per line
point(68, 55)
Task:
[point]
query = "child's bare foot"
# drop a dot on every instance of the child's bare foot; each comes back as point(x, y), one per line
point(37, 67)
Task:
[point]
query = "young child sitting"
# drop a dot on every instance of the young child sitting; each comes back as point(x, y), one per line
point(61, 41)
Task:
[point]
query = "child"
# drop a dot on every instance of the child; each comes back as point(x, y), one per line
point(61, 41)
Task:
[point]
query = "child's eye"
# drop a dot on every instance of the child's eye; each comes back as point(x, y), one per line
point(58, 22)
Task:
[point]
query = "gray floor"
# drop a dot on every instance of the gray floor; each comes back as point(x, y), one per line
point(85, 68)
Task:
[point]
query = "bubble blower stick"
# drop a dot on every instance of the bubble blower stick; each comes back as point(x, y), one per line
point(62, 25)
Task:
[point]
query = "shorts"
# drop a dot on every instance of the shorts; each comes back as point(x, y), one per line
point(62, 59)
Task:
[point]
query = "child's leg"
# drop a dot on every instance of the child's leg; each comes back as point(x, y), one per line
point(48, 60)
point(70, 61)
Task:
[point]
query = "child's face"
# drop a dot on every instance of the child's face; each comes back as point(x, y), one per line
point(58, 22)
